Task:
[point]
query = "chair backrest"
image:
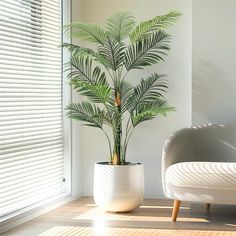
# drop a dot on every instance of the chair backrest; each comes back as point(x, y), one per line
point(202, 143)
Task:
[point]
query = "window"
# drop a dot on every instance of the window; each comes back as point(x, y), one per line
point(31, 130)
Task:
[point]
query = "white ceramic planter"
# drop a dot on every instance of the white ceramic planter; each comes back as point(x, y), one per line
point(118, 188)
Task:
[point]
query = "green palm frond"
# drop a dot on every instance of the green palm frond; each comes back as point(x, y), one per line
point(83, 71)
point(86, 112)
point(147, 52)
point(150, 110)
point(97, 93)
point(109, 118)
point(148, 90)
point(76, 49)
point(120, 25)
point(87, 32)
point(157, 23)
point(126, 92)
point(80, 67)
point(112, 53)
point(89, 81)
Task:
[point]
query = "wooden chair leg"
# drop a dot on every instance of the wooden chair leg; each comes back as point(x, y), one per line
point(175, 209)
point(207, 206)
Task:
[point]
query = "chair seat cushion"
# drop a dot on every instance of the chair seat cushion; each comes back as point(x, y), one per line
point(209, 175)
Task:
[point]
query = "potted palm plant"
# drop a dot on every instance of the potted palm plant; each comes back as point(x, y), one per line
point(113, 104)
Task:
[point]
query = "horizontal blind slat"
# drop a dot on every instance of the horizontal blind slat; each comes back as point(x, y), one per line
point(32, 133)
point(14, 196)
point(27, 126)
point(11, 181)
point(22, 144)
point(28, 59)
point(42, 193)
point(34, 4)
point(28, 81)
point(35, 172)
point(36, 14)
point(34, 48)
point(25, 185)
point(36, 111)
point(27, 166)
point(45, 152)
point(34, 139)
point(25, 38)
point(21, 50)
point(49, 26)
point(25, 145)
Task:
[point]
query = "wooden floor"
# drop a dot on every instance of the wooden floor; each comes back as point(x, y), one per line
point(82, 218)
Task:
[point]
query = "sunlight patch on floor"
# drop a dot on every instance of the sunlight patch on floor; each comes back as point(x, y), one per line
point(93, 231)
point(90, 205)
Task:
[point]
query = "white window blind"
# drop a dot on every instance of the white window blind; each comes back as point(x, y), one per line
point(31, 141)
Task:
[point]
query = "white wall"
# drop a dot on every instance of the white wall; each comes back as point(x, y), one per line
point(147, 142)
point(214, 57)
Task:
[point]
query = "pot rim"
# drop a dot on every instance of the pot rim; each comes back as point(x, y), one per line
point(131, 163)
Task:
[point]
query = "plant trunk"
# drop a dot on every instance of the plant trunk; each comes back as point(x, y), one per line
point(116, 160)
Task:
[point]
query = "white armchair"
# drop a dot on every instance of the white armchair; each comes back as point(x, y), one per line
point(199, 165)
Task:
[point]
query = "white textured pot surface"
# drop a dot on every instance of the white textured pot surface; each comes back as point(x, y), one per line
point(118, 188)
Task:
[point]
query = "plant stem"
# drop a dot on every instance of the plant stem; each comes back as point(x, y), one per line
point(118, 130)
point(127, 141)
point(118, 123)
point(126, 134)
point(109, 142)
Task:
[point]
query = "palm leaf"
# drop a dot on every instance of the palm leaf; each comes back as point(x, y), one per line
point(75, 49)
point(83, 71)
point(109, 118)
point(97, 93)
point(150, 110)
point(87, 32)
point(148, 90)
point(126, 92)
point(79, 67)
point(112, 53)
point(147, 52)
point(87, 80)
point(157, 23)
point(120, 25)
point(87, 112)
